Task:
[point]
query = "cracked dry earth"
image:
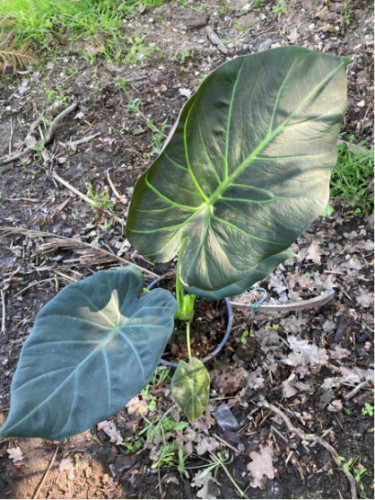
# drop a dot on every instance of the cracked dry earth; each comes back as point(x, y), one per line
point(299, 374)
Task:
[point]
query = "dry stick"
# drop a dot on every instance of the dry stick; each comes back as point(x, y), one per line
point(75, 243)
point(356, 389)
point(50, 133)
point(312, 437)
point(122, 198)
point(72, 144)
point(237, 452)
point(36, 493)
point(84, 197)
point(215, 40)
point(3, 327)
point(11, 136)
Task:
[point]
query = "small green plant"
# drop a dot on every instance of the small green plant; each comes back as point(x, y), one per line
point(181, 59)
point(279, 9)
point(244, 336)
point(368, 410)
point(346, 12)
point(159, 135)
point(352, 175)
point(221, 460)
point(121, 82)
point(229, 194)
point(102, 200)
point(272, 327)
point(169, 451)
point(357, 470)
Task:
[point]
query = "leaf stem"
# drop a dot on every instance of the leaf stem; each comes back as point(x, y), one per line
point(188, 339)
point(179, 287)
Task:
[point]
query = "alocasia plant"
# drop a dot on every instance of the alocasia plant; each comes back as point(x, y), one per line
point(246, 170)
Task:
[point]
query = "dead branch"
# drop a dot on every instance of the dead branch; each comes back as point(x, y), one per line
point(313, 438)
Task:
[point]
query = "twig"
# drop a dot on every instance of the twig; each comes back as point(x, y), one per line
point(84, 197)
point(50, 133)
point(73, 243)
point(11, 136)
point(237, 452)
point(356, 389)
point(36, 493)
point(314, 438)
point(3, 316)
point(122, 198)
point(73, 144)
point(215, 40)
point(57, 120)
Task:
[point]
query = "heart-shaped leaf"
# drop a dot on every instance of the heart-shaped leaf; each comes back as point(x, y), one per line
point(246, 170)
point(190, 387)
point(93, 347)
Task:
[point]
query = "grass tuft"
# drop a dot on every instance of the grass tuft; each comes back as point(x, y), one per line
point(352, 177)
point(47, 22)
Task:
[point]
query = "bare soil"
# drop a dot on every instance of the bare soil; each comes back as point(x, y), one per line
point(314, 367)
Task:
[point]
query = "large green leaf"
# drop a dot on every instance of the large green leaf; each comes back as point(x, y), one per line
point(190, 387)
point(93, 347)
point(246, 170)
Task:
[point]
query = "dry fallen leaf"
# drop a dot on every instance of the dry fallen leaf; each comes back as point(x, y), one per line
point(288, 386)
point(365, 299)
point(206, 485)
point(261, 466)
point(66, 464)
point(335, 406)
point(16, 455)
point(136, 406)
point(313, 252)
point(110, 429)
point(338, 352)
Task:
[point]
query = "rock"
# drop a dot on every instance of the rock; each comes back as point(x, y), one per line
point(225, 418)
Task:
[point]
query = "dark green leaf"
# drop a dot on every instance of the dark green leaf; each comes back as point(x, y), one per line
point(190, 387)
point(93, 347)
point(246, 170)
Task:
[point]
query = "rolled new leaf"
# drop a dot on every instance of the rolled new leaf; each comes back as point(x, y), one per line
point(92, 348)
point(246, 170)
point(190, 387)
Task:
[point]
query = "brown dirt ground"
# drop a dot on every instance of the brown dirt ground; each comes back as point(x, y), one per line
point(335, 252)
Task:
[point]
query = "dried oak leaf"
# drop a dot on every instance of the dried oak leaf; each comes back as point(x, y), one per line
point(261, 466)
point(16, 455)
point(310, 353)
